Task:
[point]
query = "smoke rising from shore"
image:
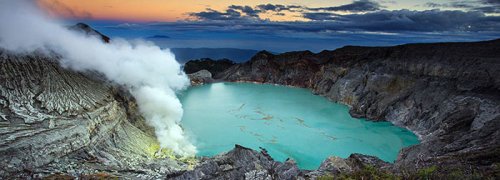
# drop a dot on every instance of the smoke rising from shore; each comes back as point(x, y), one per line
point(151, 74)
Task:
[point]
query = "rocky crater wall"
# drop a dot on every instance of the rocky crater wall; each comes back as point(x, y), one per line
point(54, 119)
point(447, 93)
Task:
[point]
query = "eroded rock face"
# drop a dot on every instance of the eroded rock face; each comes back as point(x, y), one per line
point(244, 163)
point(200, 77)
point(241, 163)
point(56, 120)
point(447, 93)
point(213, 66)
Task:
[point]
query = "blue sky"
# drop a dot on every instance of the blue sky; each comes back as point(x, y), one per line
point(359, 22)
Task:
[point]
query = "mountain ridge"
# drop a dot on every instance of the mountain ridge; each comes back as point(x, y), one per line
point(448, 93)
point(238, 55)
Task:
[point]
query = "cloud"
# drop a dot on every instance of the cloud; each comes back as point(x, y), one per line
point(355, 6)
point(210, 14)
point(244, 13)
point(279, 7)
point(455, 4)
point(249, 11)
point(491, 1)
point(365, 15)
point(488, 9)
point(407, 20)
point(485, 6)
point(387, 1)
point(231, 13)
point(380, 21)
point(491, 6)
point(321, 16)
point(272, 7)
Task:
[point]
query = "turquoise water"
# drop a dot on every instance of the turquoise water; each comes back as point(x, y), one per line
point(288, 122)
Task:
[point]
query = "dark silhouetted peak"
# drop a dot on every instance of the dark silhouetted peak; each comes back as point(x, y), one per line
point(496, 40)
point(238, 147)
point(297, 54)
point(237, 55)
point(262, 55)
point(264, 52)
point(82, 27)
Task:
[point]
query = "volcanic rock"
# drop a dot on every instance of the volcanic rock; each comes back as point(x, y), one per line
point(447, 93)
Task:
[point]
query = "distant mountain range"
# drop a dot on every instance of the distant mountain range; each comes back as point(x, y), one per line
point(238, 55)
point(158, 37)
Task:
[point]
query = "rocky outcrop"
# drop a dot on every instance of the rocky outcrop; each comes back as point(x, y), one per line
point(56, 120)
point(241, 163)
point(213, 66)
point(89, 31)
point(245, 163)
point(200, 77)
point(447, 93)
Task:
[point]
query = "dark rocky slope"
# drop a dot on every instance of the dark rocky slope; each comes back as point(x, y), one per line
point(448, 93)
point(89, 31)
point(214, 66)
point(57, 120)
point(244, 163)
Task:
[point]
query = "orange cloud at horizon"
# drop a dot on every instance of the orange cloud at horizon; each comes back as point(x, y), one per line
point(158, 10)
point(130, 10)
point(173, 10)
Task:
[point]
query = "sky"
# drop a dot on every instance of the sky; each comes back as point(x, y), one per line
point(284, 25)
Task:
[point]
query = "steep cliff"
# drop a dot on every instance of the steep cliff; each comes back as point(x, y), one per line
point(56, 120)
point(447, 93)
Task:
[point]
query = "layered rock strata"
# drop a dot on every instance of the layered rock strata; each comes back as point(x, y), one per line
point(57, 120)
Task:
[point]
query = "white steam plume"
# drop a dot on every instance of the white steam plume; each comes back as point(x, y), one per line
point(151, 74)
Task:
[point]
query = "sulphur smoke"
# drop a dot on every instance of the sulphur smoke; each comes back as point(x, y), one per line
point(151, 74)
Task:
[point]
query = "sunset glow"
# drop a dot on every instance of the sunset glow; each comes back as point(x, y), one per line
point(283, 25)
point(174, 10)
point(134, 10)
